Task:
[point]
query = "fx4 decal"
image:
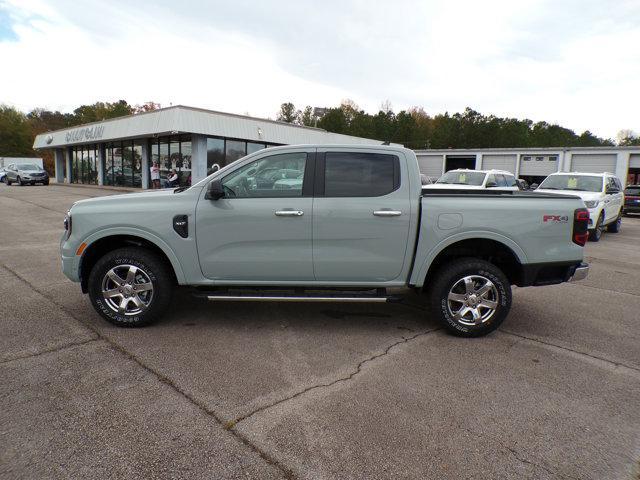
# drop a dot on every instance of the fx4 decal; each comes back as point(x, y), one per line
point(555, 218)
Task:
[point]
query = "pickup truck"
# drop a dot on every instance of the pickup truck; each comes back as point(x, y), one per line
point(326, 224)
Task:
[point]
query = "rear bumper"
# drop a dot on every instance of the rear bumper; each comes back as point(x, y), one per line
point(540, 274)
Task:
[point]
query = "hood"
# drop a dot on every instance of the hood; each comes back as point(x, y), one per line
point(111, 200)
point(586, 196)
point(452, 186)
point(29, 172)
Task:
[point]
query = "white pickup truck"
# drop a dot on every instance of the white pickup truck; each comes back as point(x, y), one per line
point(325, 224)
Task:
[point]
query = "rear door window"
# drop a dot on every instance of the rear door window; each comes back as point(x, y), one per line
point(354, 174)
point(511, 181)
point(501, 180)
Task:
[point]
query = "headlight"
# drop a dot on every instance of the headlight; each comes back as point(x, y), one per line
point(591, 203)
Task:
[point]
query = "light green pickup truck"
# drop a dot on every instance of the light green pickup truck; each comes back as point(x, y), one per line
point(326, 224)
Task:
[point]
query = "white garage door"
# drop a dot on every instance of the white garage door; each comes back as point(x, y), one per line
point(538, 165)
point(430, 165)
point(499, 162)
point(634, 160)
point(594, 163)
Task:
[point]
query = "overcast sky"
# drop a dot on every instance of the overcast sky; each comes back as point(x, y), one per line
point(574, 62)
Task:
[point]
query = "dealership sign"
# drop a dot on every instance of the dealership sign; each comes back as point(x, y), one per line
point(86, 133)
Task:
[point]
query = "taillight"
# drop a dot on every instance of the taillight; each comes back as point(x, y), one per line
point(580, 226)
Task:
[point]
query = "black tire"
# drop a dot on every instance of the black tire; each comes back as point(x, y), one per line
point(7, 181)
point(448, 279)
point(596, 234)
point(150, 267)
point(20, 182)
point(614, 227)
point(45, 183)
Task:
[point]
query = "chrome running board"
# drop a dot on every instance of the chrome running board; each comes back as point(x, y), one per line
point(271, 298)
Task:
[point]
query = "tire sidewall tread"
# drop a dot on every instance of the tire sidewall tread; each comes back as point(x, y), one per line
point(451, 273)
point(158, 274)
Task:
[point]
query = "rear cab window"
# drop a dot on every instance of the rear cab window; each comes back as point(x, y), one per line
point(355, 174)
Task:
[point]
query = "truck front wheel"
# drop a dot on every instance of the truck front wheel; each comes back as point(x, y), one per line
point(470, 297)
point(130, 287)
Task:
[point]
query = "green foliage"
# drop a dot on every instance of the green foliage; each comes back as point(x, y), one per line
point(15, 133)
point(287, 113)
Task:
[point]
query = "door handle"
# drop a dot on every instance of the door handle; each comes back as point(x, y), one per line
point(289, 213)
point(387, 213)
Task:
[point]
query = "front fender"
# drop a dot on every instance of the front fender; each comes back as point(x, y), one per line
point(418, 277)
point(137, 232)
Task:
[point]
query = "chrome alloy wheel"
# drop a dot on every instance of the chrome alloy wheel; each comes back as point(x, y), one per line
point(473, 300)
point(127, 289)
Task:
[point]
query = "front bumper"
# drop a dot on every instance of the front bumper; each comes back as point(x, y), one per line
point(581, 272)
point(70, 268)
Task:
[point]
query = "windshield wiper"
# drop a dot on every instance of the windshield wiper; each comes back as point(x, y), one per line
point(180, 189)
point(548, 188)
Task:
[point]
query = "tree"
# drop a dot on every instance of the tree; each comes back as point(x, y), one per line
point(305, 117)
point(146, 107)
point(287, 113)
point(101, 111)
point(16, 138)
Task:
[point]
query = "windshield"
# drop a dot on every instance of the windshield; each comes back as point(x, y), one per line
point(462, 178)
point(632, 191)
point(28, 166)
point(581, 183)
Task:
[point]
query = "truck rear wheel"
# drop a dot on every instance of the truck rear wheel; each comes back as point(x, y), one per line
point(130, 287)
point(470, 297)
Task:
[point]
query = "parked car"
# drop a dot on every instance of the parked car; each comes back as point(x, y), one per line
point(476, 180)
point(358, 224)
point(26, 173)
point(602, 195)
point(523, 184)
point(3, 174)
point(631, 199)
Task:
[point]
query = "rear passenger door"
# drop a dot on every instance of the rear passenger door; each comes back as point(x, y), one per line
point(613, 201)
point(361, 216)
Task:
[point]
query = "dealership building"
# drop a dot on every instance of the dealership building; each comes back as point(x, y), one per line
point(193, 141)
point(534, 164)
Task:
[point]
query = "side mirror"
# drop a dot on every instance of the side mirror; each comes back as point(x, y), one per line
point(611, 191)
point(491, 184)
point(533, 186)
point(214, 190)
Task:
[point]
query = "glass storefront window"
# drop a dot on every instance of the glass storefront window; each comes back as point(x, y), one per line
point(215, 154)
point(127, 164)
point(137, 164)
point(254, 147)
point(108, 165)
point(234, 150)
point(184, 172)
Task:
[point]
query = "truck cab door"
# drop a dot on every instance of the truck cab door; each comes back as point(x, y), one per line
point(361, 216)
point(260, 230)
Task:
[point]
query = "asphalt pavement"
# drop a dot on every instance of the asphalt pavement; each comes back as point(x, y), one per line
point(315, 391)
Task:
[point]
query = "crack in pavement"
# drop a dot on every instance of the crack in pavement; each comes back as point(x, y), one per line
point(231, 424)
point(613, 363)
point(50, 350)
point(286, 471)
point(517, 455)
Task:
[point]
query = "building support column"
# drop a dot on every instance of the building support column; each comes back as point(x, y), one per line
point(100, 163)
point(144, 164)
point(198, 158)
point(68, 155)
point(518, 159)
point(478, 161)
point(58, 155)
point(566, 162)
point(622, 166)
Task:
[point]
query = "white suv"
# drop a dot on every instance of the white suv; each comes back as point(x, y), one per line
point(476, 179)
point(601, 193)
